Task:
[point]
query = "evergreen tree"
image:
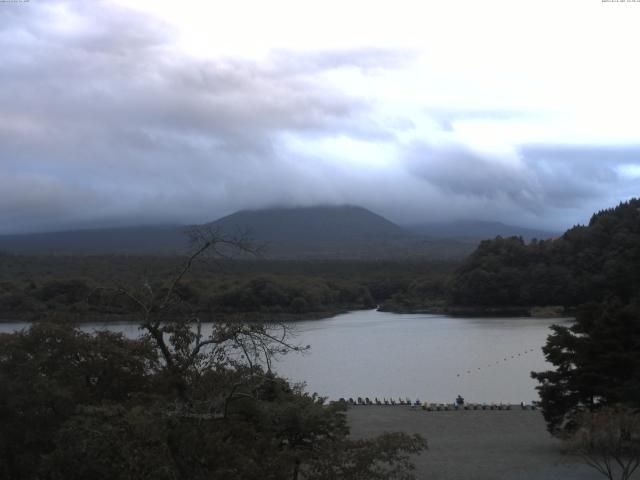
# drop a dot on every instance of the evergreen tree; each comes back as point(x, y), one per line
point(597, 363)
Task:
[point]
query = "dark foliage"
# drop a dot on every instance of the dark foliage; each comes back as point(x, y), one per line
point(50, 370)
point(72, 287)
point(597, 364)
point(99, 406)
point(587, 263)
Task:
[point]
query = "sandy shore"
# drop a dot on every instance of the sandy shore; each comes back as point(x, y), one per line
point(475, 444)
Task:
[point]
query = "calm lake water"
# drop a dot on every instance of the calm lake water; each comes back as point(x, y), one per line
point(433, 357)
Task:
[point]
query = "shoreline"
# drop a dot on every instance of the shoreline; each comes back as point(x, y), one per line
point(551, 311)
point(116, 318)
point(283, 317)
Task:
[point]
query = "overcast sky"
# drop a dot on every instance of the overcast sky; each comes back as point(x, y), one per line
point(126, 112)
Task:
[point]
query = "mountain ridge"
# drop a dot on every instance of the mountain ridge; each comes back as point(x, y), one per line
point(288, 232)
point(318, 222)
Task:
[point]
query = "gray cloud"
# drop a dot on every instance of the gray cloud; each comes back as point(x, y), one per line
point(106, 124)
point(459, 171)
point(109, 110)
point(545, 183)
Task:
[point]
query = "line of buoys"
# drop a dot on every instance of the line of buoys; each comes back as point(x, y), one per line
point(529, 350)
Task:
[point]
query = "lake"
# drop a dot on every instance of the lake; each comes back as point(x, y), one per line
point(433, 357)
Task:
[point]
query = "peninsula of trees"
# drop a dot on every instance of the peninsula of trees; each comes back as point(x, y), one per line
point(587, 263)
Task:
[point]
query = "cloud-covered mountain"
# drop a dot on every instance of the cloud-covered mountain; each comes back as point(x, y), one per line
point(320, 232)
point(310, 225)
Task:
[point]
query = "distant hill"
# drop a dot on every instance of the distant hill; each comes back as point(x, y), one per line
point(475, 229)
point(334, 231)
point(316, 232)
point(311, 225)
point(140, 240)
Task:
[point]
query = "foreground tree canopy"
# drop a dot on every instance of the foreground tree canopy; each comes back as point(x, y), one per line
point(174, 404)
point(78, 406)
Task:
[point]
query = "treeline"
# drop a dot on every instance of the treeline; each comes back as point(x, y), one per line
point(592, 397)
point(587, 263)
point(32, 287)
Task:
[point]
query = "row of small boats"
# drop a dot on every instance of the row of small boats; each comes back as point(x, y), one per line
point(437, 406)
point(384, 401)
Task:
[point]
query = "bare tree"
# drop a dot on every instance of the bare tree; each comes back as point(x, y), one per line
point(608, 440)
point(176, 329)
